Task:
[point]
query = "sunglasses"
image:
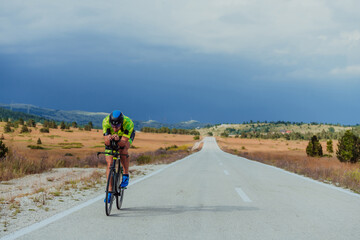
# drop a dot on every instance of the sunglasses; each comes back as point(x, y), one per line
point(115, 124)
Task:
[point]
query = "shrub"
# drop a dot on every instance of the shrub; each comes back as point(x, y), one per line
point(171, 147)
point(197, 137)
point(3, 150)
point(7, 128)
point(35, 147)
point(39, 141)
point(329, 146)
point(348, 148)
point(31, 123)
point(24, 129)
point(2, 137)
point(143, 159)
point(314, 148)
point(210, 133)
point(44, 130)
point(224, 134)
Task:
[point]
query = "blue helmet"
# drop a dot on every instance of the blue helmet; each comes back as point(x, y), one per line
point(116, 118)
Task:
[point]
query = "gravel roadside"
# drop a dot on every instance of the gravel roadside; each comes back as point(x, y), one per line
point(33, 198)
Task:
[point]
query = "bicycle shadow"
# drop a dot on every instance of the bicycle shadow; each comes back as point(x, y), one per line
point(173, 210)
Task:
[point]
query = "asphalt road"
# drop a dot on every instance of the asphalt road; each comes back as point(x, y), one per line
point(215, 195)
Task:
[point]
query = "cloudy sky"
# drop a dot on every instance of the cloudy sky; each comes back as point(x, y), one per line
point(217, 61)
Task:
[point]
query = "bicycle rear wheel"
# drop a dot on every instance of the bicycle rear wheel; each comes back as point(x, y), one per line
point(120, 196)
point(108, 204)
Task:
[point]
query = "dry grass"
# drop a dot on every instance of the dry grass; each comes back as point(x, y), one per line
point(161, 156)
point(76, 149)
point(294, 159)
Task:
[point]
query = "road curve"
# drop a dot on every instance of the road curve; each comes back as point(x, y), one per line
point(215, 195)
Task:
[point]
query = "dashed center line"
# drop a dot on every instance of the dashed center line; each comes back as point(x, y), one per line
point(243, 195)
point(226, 172)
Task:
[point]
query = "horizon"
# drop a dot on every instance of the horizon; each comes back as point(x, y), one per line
point(213, 61)
point(251, 121)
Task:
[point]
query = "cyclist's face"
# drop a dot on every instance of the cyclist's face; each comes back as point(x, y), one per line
point(116, 127)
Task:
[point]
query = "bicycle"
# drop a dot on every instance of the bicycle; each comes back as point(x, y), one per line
point(115, 177)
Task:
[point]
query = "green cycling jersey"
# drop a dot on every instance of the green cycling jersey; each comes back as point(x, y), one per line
point(126, 129)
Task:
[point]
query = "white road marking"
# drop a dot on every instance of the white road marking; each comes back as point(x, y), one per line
point(226, 172)
point(347, 191)
point(63, 214)
point(243, 195)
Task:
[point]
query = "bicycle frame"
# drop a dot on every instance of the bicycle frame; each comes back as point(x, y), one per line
point(116, 156)
point(114, 180)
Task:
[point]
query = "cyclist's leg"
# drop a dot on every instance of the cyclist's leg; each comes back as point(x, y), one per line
point(125, 161)
point(109, 161)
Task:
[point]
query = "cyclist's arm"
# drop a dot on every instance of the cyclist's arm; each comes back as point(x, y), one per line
point(128, 129)
point(106, 131)
point(124, 140)
point(107, 137)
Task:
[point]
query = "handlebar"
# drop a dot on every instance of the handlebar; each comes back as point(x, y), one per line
point(113, 153)
point(114, 147)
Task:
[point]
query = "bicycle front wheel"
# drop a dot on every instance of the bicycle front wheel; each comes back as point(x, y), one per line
point(108, 204)
point(120, 196)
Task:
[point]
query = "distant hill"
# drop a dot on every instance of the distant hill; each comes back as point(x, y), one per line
point(83, 118)
point(8, 114)
point(80, 117)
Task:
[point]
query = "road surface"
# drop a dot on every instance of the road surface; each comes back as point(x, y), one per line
point(215, 195)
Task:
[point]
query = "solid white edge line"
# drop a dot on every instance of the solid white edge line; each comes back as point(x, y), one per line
point(226, 172)
point(243, 195)
point(343, 190)
point(63, 214)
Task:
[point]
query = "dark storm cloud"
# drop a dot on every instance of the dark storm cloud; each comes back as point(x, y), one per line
point(230, 61)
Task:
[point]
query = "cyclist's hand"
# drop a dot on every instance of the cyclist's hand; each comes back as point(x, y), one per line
point(107, 140)
point(115, 137)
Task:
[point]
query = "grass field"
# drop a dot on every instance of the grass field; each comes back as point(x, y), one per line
point(77, 148)
point(291, 155)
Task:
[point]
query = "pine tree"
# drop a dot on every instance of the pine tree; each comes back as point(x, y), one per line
point(7, 127)
point(329, 146)
point(314, 148)
point(53, 125)
point(74, 124)
point(3, 150)
point(39, 141)
point(349, 148)
point(21, 121)
point(62, 125)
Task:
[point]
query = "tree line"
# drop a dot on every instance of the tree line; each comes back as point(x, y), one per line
point(46, 125)
point(267, 134)
point(170, 131)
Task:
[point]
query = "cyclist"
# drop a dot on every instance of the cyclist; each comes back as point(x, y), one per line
point(119, 128)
